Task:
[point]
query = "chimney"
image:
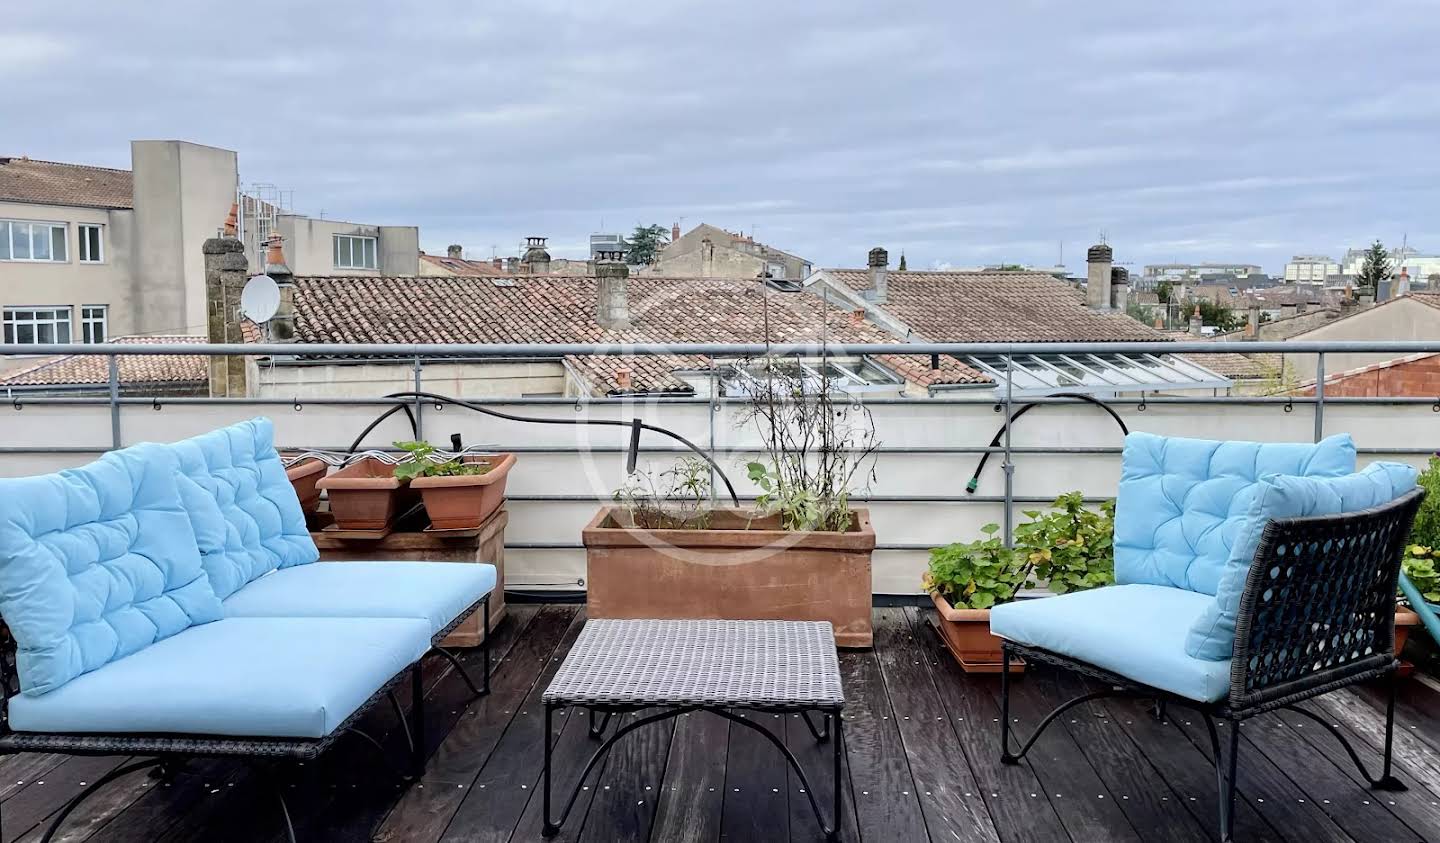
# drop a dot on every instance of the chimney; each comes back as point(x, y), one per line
point(857, 317)
point(536, 259)
point(1300, 307)
point(612, 294)
point(1097, 277)
point(1288, 309)
point(879, 274)
point(707, 258)
point(232, 221)
point(1402, 282)
point(1197, 324)
point(622, 379)
point(1382, 290)
point(1119, 288)
point(512, 265)
point(1252, 325)
point(498, 263)
point(454, 251)
point(226, 272)
point(282, 324)
point(674, 232)
point(1159, 323)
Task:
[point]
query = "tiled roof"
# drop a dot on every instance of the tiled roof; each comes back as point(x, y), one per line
point(916, 369)
point(1239, 366)
point(996, 307)
point(49, 183)
point(561, 309)
point(462, 266)
point(135, 370)
point(1337, 377)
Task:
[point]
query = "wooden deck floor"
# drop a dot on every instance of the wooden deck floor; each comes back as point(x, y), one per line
point(921, 750)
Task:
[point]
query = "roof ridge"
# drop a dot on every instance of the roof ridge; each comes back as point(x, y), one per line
point(11, 159)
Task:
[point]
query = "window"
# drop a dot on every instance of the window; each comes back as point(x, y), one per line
point(32, 241)
point(92, 249)
point(36, 325)
point(92, 322)
point(354, 252)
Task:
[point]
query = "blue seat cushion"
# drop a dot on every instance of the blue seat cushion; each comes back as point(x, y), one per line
point(1279, 496)
point(435, 592)
point(240, 677)
point(1181, 501)
point(1136, 631)
point(97, 563)
point(242, 507)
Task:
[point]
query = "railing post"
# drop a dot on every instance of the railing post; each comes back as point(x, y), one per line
point(1319, 396)
point(713, 407)
point(114, 364)
point(1007, 466)
point(419, 405)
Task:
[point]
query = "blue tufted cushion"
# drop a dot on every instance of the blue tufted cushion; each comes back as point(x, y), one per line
point(242, 507)
point(1213, 634)
point(97, 563)
point(1181, 500)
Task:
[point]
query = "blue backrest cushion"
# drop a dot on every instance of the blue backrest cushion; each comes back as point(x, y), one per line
point(1213, 634)
point(245, 514)
point(97, 563)
point(1181, 500)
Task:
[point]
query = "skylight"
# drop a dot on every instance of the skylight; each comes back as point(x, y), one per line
point(1095, 374)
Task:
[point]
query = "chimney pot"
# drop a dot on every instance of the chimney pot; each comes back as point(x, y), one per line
point(1097, 278)
point(498, 262)
point(1119, 288)
point(879, 261)
point(1197, 323)
point(857, 317)
point(622, 378)
point(454, 251)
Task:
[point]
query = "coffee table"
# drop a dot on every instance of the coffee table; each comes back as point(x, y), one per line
point(680, 666)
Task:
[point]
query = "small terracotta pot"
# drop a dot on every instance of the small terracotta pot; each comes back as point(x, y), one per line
point(967, 635)
point(366, 495)
point(304, 476)
point(464, 502)
point(1404, 619)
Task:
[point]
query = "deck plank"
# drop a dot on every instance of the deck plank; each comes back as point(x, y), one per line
point(818, 761)
point(999, 803)
point(628, 789)
point(34, 803)
point(1137, 787)
point(879, 770)
point(757, 798)
point(693, 797)
point(478, 789)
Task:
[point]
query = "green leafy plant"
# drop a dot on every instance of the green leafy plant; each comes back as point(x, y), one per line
point(978, 574)
point(672, 499)
point(1421, 558)
point(1071, 547)
point(1420, 566)
point(423, 462)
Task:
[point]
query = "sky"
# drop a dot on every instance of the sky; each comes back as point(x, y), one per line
point(959, 133)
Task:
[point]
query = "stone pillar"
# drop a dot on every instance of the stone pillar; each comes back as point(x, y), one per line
point(612, 293)
point(226, 272)
point(1120, 288)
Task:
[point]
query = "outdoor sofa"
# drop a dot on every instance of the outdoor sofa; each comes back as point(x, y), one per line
point(167, 601)
point(1249, 578)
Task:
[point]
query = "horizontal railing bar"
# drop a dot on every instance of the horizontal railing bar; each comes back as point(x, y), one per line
point(1034, 450)
point(524, 350)
point(579, 546)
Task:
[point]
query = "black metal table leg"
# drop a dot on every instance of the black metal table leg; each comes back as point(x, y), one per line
point(549, 829)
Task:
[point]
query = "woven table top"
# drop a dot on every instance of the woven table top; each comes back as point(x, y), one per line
point(738, 664)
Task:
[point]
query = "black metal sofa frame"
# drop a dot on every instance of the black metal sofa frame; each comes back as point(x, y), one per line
point(1316, 615)
point(168, 751)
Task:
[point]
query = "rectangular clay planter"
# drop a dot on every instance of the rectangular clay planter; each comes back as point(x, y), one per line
point(464, 502)
point(304, 477)
point(729, 572)
point(967, 635)
point(366, 496)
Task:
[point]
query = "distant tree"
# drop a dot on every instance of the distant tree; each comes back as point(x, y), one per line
point(1010, 267)
point(646, 242)
point(1164, 290)
point(1214, 313)
point(902, 261)
point(1375, 268)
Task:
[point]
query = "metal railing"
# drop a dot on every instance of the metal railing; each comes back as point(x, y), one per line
point(1004, 403)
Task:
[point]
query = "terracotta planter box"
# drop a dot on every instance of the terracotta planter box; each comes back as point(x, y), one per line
point(304, 476)
point(463, 503)
point(366, 496)
point(737, 568)
point(1404, 619)
point(967, 635)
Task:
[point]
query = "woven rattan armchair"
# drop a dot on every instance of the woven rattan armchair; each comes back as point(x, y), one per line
point(1317, 614)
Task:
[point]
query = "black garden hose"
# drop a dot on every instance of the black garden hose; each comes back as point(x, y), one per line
point(974, 483)
point(635, 425)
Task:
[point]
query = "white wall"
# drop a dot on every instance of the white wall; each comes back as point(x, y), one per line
point(590, 460)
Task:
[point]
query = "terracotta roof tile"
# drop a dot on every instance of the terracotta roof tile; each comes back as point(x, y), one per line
point(463, 266)
point(916, 369)
point(49, 183)
point(135, 370)
point(996, 307)
point(1239, 366)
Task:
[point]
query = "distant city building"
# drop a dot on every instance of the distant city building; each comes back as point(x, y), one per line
point(607, 243)
point(710, 252)
point(1310, 269)
point(92, 253)
point(1192, 273)
point(1423, 269)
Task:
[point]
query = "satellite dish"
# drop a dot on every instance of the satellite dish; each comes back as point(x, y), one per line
point(260, 299)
